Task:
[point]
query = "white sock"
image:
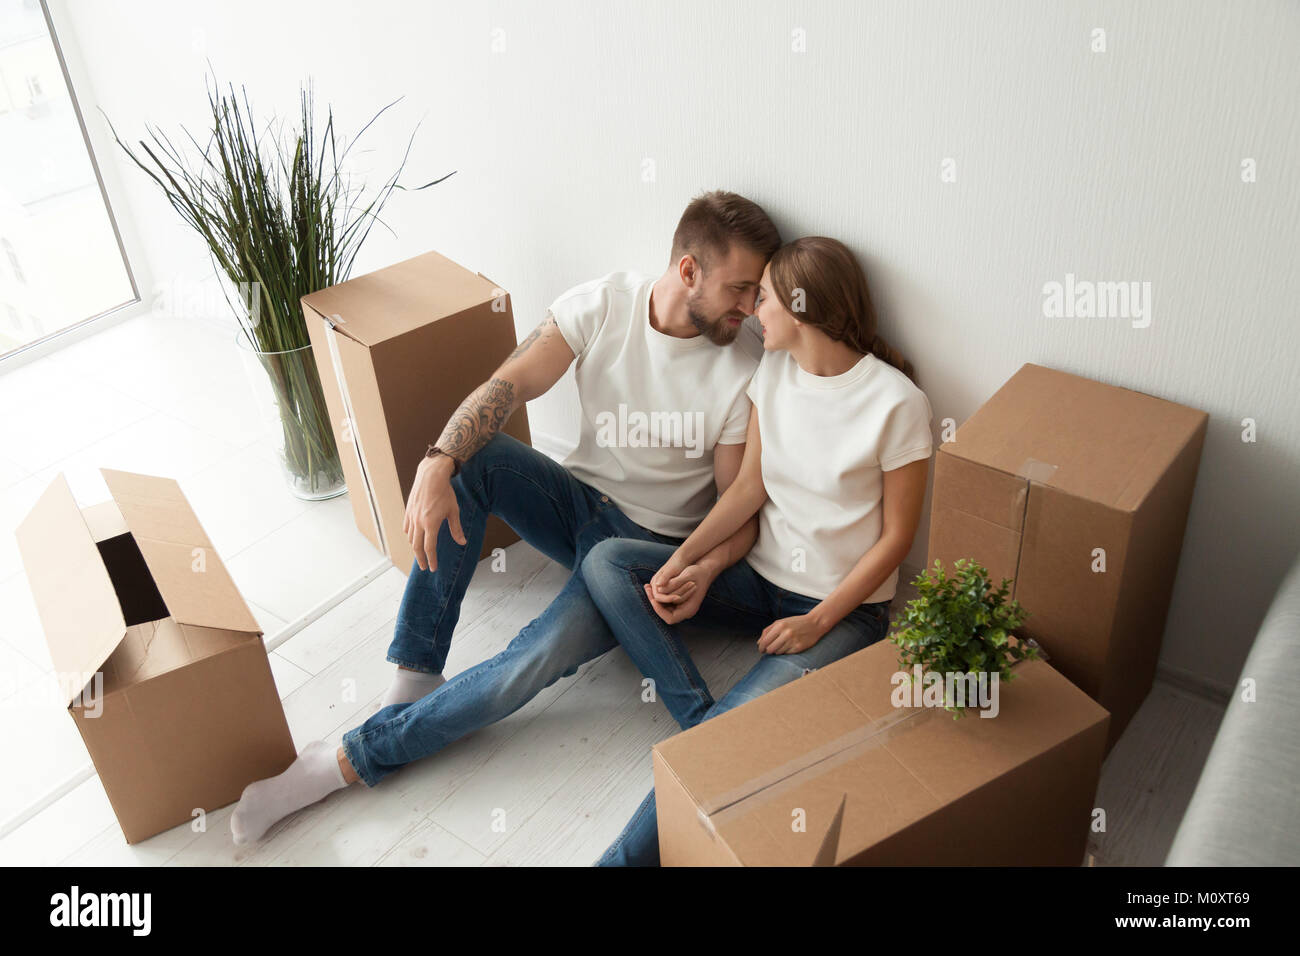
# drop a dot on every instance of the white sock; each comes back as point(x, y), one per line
point(313, 776)
point(409, 686)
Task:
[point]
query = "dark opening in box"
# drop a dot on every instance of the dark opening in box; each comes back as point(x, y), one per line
point(136, 591)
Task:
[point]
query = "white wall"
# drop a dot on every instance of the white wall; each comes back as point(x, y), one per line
point(1121, 165)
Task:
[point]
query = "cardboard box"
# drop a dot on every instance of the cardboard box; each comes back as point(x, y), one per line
point(183, 713)
point(398, 350)
point(874, 784)
point(1047, 471)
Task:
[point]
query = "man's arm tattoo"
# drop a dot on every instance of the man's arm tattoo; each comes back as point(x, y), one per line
point(477, 419)
point(481, 415)
point(542, 332)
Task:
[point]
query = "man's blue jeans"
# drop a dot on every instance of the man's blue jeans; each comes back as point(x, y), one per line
point(616, 571)
point(555, 513)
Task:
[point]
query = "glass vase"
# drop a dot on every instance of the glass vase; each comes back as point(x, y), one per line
point(287, 391)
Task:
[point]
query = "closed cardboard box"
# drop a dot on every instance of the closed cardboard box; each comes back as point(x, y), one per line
point(826, 770)
point(1079, 492)
point(398, 351)
point(165, 671)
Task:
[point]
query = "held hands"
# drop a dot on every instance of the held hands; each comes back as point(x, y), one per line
point(431, 502)
point(790, 635)
point(677, 589)
point(666, 579)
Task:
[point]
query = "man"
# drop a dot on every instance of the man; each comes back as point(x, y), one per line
point(661, 368)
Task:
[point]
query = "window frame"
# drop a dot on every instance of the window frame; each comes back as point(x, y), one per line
point(126, 246)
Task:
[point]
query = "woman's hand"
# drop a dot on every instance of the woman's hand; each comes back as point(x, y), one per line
point(690, 587)
point(790, 635)
point(669, 582)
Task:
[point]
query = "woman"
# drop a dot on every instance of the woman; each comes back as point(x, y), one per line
point(835, 468)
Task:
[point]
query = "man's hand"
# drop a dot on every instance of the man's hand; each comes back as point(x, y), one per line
point(531, 369)
point(790, 635)
point(667, 580)
point(432, 501)
point(683, 602)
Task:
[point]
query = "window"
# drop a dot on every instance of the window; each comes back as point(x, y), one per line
point(62, 260)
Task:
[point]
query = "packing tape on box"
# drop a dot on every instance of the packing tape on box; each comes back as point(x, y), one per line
point(713, 813)
point(332, 338)
point(1034, 472)
point(1032, 469)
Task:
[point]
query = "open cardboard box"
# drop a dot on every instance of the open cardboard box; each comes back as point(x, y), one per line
point(826, 770)
point(165, 671)
point(1054, 475)
point(398, 350)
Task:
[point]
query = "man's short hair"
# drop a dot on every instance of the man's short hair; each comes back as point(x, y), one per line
point(715, 220)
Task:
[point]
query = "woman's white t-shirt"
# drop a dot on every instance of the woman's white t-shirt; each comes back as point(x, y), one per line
point(653, 405)
point(827, 442)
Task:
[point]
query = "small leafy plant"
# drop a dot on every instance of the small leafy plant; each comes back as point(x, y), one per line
point(960, 625)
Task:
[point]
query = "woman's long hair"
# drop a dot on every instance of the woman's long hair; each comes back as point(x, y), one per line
point(822, 283)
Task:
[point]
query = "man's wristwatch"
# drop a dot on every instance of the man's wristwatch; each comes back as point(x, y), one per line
point(433, 451)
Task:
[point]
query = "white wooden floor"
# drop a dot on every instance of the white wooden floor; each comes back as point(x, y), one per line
point(553, 783)
point(550, 785)
point(165, 396)
point(558, 778)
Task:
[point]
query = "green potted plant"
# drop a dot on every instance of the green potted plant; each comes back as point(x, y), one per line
point(960, 625)
point(280, 218)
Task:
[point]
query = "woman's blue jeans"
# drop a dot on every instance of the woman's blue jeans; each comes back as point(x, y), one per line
point(616, 570)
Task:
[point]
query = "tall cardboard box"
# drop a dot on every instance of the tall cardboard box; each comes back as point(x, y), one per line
point(1052, 475)
point(398, 350)
point(826, 770)
point(165, 671)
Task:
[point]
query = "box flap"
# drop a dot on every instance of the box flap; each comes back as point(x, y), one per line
point(350, 362)
point(194, 583)
point(324, 343)
point(78, 607)
point(829, 850)
point(104, 520)
point(158, 647)
point(390, 302)
point(1100, 442)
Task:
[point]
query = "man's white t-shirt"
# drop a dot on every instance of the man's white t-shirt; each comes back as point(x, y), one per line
point(827, 442)
point(653, 405)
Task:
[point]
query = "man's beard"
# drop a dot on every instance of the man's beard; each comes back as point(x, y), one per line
point(718, 331)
